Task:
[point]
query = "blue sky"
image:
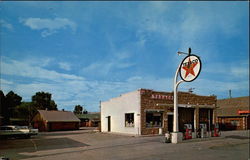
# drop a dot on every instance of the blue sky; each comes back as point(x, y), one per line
point(84, 52)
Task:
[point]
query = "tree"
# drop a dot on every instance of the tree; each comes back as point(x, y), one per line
point(2, 98)
point(85, 111)
point(78, 109)
point(25, 110)
point(42, 100)
point(10, 101)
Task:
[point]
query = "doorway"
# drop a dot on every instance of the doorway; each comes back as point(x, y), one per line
point(109, 124)
point(170, 123)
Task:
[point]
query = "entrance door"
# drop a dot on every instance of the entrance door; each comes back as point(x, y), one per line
point(109, 124)
point(170, 123)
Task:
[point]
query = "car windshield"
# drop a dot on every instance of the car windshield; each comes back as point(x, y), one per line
point(22, 127)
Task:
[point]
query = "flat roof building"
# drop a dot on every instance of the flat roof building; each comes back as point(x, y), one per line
point(233, 113)
point(146, 111)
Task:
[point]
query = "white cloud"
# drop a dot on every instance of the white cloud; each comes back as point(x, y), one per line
point(131, 79)
point(49, 26)
point(118, 60)
point(3, 81)
point(6, 25)
point(68, 93)
point(31, 70)
point(64, 65)
point(234, 70)
point(240, 72)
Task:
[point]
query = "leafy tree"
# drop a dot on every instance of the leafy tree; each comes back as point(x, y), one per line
point(53, 105)
point(2, 99)
point(78, 109)
point(25, 110)
point(85, 111)
point(10, 101)
point(42, 100)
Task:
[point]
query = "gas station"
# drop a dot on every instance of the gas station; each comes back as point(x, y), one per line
point(177, 115)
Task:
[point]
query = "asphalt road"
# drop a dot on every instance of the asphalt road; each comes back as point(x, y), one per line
point(89, 145)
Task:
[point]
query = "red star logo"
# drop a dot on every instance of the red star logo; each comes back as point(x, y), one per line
point(190, 68)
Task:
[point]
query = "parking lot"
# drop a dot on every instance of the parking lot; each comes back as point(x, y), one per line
point(91, 145)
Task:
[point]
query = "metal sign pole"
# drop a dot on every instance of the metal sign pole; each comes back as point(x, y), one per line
point(176, 135)
point(176, 84)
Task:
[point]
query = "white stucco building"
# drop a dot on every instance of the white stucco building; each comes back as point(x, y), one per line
point(113, 114)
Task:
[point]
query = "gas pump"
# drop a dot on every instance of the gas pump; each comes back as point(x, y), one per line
point(203, 130)
point(188, 131)
point(216, 132)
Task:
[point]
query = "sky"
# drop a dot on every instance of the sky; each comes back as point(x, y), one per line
point(86, 52)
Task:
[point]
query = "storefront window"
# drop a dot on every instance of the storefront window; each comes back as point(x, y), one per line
point(153, 119)
point(235, 123)
point(129, 119)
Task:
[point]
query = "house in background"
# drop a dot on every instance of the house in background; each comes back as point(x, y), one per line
point(233, 113)
point(146, 111)
point(55, 120)
point(89, 119)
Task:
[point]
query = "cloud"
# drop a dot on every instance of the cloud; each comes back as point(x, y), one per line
point(6, 25)
point(64, 65)
point(3, 81)
point(67, 93)
point(233, 70)
point(217, 87)
point(31, 70)
point(117, 60)
point(49, 26)
point(240, 72)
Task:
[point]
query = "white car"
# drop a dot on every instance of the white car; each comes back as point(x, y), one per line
point(17, 131)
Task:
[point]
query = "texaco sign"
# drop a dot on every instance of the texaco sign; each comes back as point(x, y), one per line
point(190, 68)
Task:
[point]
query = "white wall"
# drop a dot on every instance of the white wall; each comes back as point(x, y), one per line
point(116, 109)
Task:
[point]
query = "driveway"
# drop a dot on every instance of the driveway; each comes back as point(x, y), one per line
point(90, 145)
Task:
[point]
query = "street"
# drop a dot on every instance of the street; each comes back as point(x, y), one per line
point(90, 145)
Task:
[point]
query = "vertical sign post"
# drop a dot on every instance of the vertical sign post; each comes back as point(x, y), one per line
point(189, 69)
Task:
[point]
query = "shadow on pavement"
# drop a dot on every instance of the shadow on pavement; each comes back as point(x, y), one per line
point(33, 145)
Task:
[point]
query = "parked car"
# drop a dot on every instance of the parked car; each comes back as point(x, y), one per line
point(17, 131)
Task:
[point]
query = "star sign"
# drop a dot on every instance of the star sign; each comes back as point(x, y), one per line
point(190, 68)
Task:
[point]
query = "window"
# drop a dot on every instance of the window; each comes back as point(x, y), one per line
point(153, 119)
point(235, 123)
point(129, 119)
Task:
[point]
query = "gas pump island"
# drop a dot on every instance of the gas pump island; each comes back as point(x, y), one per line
point(189, 69)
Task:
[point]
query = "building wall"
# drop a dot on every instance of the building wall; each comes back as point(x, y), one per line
point(154, 101)
point(59, 126)
point(163, 101)
point(89, 123)
point(116, 109)
point(234, 123)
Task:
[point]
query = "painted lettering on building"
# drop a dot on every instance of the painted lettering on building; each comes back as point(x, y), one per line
point(159, 96)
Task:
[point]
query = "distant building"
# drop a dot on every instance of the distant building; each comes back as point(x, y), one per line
point(145, 111)
point(55, 120)
point(89, 120)
point(233, 113)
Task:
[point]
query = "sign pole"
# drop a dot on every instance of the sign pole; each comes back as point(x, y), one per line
point(176, 135)
point(189, 70)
